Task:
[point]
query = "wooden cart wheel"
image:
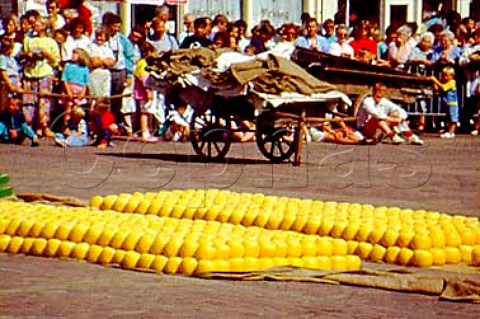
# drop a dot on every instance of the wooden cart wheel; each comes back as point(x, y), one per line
point(275, 143)
point(210, 135)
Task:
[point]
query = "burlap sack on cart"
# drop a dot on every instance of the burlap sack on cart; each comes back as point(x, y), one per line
point(277, 75)
point(273, 75)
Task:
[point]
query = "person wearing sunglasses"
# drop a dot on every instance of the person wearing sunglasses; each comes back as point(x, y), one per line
point(341, 46)
point(55, 19)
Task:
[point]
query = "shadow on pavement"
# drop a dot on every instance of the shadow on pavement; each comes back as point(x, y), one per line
point(182, 158)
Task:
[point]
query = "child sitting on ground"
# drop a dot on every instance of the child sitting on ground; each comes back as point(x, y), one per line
point(103, 123)
point(449, 104)
point(76, 132)
point(341, 135)
point(13, 127)
point(177, 123)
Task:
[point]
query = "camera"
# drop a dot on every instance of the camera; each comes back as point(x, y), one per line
point(29, 59)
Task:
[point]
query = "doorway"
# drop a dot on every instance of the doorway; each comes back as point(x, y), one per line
point(364, 10)
point(398, 15)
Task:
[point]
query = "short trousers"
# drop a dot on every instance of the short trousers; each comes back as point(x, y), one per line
point(451, 111)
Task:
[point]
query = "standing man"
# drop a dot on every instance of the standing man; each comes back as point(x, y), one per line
point(199, 37)
point(329, 31)
point(188, 20)
point(163, 13)
point(122, 71)
point(55, 19)
point(312, 40)
point(161, 40)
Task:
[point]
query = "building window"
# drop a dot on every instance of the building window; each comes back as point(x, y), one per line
point(210, 8)
point(7, 7)
point(277, 11)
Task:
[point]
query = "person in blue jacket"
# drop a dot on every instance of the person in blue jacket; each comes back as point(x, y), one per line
point(13, 126)
point(312, 40)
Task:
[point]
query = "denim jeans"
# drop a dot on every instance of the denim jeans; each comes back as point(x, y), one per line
point(73, 140)
point(22, 132)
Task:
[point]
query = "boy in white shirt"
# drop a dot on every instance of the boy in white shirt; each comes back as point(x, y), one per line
point(378, 112)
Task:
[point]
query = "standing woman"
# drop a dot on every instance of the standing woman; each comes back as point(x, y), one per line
point(362, 44)
point(11, 27)
point(341, 47)
point(24, 30)
point(447, 53)
point(137, 37)
point(77, 39)
point(234, 35)
point(42, 56)
point(101, 61)
point(400, 50)
point(286, 45)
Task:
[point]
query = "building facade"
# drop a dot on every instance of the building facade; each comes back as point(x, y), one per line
point(383, 12)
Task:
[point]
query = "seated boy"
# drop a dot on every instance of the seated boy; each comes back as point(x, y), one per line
point(102, 123)
point(177, 123)
point(76, 133)
point(378, 112)
point(13, 127)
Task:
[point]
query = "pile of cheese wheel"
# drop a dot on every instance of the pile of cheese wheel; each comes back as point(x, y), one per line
point(388, 234)
point(162, 244)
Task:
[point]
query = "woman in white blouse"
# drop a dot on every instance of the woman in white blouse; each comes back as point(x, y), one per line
point(76, 39)
point(341, 46)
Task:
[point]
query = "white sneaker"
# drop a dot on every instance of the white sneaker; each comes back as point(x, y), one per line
point(397, 140)
point(415, 140)
point(448, 135)
point(60, 142)
point(317, 135)
point(474, 133)
point(150, 139)
point(177, 137)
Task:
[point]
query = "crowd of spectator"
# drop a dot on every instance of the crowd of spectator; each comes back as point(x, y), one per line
point(60, 69)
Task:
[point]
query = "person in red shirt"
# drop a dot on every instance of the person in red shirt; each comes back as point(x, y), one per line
point(362, 42)
point(63, 3)
point(85, 14)
point(102, 123)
